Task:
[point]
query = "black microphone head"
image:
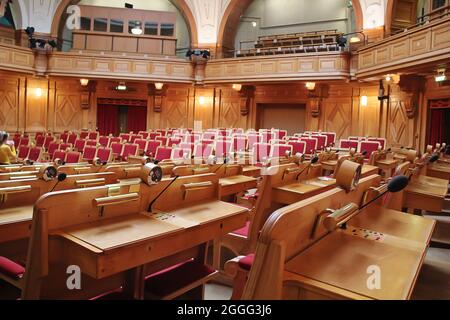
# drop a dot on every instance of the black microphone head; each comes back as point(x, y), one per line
point(364, 153)
point(434, 158)
point(315, 159)
point(62, 176)
point(156, 162)
point(398, 183)
point(389, 150)
point(104, 163)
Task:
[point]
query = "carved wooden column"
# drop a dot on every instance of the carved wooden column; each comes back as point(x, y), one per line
point(40, 61)
point(157, 96)
point(316, 97)
point(247, 94)
point(86, 93)
point(411, 86)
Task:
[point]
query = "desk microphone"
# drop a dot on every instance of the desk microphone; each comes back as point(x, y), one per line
point(225, 162)
point(447, 150)
point(433, 158)
point(61, 177)
point(314, 160)
point(161, 193)
point(397, 184)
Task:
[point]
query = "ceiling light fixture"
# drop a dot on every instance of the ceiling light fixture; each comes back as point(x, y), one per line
point(440, 77)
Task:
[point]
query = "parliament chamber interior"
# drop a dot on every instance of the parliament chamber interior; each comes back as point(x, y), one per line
point(224, 150)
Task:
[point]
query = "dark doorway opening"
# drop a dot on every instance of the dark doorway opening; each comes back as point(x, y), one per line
point(119, 116)
point(438, 130)
point(290, 117)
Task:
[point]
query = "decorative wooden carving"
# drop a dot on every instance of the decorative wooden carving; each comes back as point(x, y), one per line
point(158, 96)
point(316, 97)
point(86, 95)
point(412, 86)
point(247, 93)
point(40, 62)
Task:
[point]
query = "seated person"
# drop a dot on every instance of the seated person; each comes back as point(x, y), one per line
point(7, 150)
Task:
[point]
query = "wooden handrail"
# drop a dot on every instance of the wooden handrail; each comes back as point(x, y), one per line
point(115, 200)
point(12, 190)
point(90, 182)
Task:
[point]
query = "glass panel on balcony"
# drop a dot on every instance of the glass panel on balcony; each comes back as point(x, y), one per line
point(167, 29)
point(151, 28)
point(438, 4)
point(116, 26)
point(101, 24)
point(85, 23)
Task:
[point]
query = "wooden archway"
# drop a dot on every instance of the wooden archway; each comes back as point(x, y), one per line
point(61, 16)
point(230, 21)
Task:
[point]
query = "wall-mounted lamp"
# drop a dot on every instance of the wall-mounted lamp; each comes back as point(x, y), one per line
point(121, 87)
point(84, 82)
point(440, 77)
point(310, 86)
point(364, 101)
point(254, 24)
point(38, 92)
point(137, 30)
point(237, 87)
point(159, 85)
point(388, 78)
point(201, 100)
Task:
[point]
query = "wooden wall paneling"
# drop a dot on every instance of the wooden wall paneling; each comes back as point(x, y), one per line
point(337, 111)
point(9, 103)
point(36, 106)
point(68, 114)
point(204, 107)
point(175, 112)
point(230, 109)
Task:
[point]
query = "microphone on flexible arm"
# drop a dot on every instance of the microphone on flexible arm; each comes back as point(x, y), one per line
point(161, 193)
point(61, 177)
point(314, 160)
point(225, 162)
point(396, 184)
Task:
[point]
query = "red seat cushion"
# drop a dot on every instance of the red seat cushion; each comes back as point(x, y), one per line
point(247, 262)
point(243, 231)
point(176, 277)
point(11, 269)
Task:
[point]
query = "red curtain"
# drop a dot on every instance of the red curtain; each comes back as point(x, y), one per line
point(437, 126)
point(108, 120)
point(137, 119)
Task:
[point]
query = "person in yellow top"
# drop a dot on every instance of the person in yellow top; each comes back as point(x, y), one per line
point(7, 150)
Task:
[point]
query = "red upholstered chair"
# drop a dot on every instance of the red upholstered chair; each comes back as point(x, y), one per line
point(311, 144)
point(89, 153)
point(348, 144)
point(144, 134)
point(79, 145)
point(180, 154)
point(153, 135)
point(163, 153)
point(193, 138)
point(293, 138)
point(357, 138)
point(16, 140)
point(135, 137)
point(117, 149)
point(152, 146)
point(252, 139)
point(266, 137)
point(23, 152)
point(84, 134)
point(174, 142)
point(35, 154)
point(162, 132)
point(104, 154)
point(47, 141)
point(238, 131)
point(73, 157)
point(279, 150)
point(381, 141)
point(142, 143)
point(222, 148)
point(260, 152)
point(92, 143)
point(24, 141)
point(321, 141)
point(280, 134)
point(331, 138)
point(162, 139)
point(93, 135)
point(114, 140)
point(203, 151)
point(125, 137)
point(52, 147)
point(370, 147)
point(40, 141)
point(65, 146)
point(64, 137)
point(59, 154)
point(187, 145)
point(240, 143)
point(72, 138)
point(103, 141)
point(206, 142)
point(209, 136)
point(129, 150)
point(298, 147)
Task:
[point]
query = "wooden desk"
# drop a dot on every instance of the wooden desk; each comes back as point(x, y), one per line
point(387, 165)
point(111, 246)
point(368, 170)
point(251, 171)
point(299, 191)
point(236, 184)
point(15, 223)
point(329, 165)
point(439, 170)
point(425, 195)
point(341, 260)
